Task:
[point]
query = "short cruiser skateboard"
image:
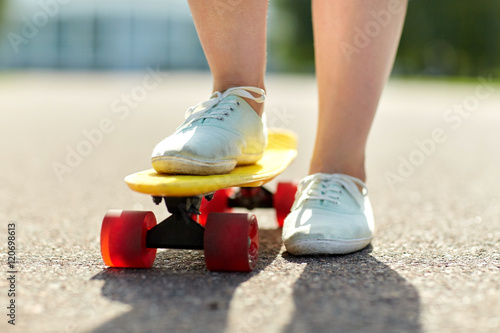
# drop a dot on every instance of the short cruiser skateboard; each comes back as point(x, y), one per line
point(200, 212)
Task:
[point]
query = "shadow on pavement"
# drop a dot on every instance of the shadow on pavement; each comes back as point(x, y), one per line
point(178, 294)
point(358, 294)
point(350, 293)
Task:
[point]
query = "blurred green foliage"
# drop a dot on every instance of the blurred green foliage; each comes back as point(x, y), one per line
point(444, 37)
point(292, 42)
point(3, 5)
point(2, 10)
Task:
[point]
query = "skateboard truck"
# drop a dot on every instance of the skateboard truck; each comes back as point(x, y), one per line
point(179, 230)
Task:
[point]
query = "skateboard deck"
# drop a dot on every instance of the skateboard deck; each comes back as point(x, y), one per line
point(279, 153)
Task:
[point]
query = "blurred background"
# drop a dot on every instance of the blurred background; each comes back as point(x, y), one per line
point(441, 38)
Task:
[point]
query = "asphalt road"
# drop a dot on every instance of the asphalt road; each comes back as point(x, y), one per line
point(68, 140)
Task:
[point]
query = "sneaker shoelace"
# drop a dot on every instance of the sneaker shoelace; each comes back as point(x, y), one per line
point(327, 187)
point(218, 108)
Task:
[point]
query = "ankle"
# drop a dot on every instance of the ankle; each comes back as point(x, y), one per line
point(257, 107)
point(350, 170)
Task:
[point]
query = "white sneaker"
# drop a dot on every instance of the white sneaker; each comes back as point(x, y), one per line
point(329, 216)
point(217, 135)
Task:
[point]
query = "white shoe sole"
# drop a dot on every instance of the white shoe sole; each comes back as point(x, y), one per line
point(325, 246)
point(181, 165)
point(188, 166)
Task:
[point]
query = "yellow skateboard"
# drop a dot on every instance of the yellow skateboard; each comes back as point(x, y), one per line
point(199, 206)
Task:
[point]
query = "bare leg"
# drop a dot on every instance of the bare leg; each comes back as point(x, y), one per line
point(351, 74)
point(233, 36)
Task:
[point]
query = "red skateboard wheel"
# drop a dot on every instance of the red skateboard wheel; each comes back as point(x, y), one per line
point(231, 242)
point(283, 200)
point(123, 239)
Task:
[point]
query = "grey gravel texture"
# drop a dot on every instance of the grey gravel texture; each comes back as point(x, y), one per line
point(434, 265)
